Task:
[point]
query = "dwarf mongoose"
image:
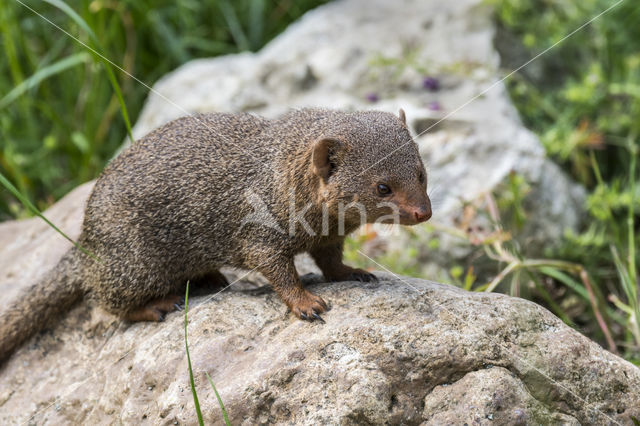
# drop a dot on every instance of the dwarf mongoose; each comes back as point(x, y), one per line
point(172, 208)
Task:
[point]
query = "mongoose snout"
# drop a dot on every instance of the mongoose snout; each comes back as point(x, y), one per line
point(419, 214)
point(416, 212)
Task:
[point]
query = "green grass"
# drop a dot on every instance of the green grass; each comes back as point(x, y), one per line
point(192, 383)
point(582, 98)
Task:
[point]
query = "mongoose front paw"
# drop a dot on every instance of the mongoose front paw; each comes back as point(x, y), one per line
point(353, 274)
point(362, 275)
point(309, 307)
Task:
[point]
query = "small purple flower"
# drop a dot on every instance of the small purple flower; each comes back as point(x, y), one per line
point(434, 106)
point(372, 97)
point(431, 84)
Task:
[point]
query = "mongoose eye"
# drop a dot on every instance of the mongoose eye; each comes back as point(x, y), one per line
point(383, 189)
point(420, 177)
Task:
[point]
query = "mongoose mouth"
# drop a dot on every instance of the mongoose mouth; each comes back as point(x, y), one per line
point(413, 215)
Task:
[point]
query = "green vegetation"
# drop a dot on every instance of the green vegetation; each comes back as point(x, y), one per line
point(61, 116)
point(192, 383)
point(583, 100)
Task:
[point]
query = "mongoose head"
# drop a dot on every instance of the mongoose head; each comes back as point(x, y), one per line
point(369, 161)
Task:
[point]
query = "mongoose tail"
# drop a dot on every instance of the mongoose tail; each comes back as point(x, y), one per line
point(53, 295)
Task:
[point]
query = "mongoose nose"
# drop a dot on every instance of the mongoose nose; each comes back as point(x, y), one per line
point(422, 214)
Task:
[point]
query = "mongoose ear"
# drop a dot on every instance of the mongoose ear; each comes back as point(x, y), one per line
point(322, 162)
point(402, 116)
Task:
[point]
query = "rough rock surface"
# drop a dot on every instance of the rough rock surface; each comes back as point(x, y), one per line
point(399, 351)
point(339, 54)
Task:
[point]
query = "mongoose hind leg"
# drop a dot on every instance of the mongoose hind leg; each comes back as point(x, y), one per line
point(283, 276)
point(156, 309)
point(329, 260)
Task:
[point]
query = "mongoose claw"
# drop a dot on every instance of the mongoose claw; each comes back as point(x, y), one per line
point(308, 307)
point(348, 273)
point(178, 306)
point(363, 276)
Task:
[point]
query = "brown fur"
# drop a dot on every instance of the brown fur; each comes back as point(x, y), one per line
point(169, 209)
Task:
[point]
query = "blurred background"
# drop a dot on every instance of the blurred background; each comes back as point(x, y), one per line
point(64, 113)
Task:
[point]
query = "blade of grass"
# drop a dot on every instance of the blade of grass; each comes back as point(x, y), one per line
point(98, 47)
point(498, 279)
point(566, 280)
point(172, 41)
point(256, 23)
point(224, 412)
point(633, 150)
point(596, 310)
point(11, 34)
point(469, 279)
point(41, 75)
point(186, 345)
point(209, 47)
point(8, 24)
point(234, 25)
point(631, 292)
point(552, 303)
point(628, 285)
point(579, 289)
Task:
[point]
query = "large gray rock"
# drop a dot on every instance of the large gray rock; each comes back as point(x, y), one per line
point(398, 351)
point(338, 54)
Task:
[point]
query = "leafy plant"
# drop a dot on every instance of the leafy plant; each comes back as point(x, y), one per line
point(583, 99)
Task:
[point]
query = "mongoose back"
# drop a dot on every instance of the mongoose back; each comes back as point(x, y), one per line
point(214, 190)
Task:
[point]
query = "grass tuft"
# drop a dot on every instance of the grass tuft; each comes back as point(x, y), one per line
point(192, 382)
point(196, 402)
